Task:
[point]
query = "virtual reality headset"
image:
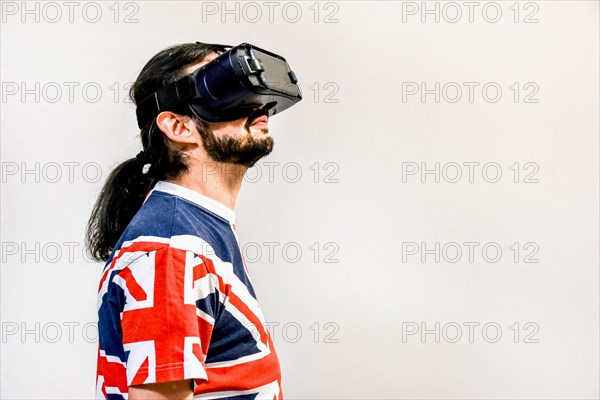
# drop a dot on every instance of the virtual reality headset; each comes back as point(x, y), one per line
point(229, 87)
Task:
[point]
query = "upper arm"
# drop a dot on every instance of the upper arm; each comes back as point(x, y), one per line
point(165, 337)
point(174, 390)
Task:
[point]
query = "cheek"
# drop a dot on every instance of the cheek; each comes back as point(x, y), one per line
point(231, 128)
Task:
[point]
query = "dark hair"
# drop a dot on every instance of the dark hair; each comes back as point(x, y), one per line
point(126, 187)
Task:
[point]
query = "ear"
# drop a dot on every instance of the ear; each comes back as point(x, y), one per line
point(177, 127)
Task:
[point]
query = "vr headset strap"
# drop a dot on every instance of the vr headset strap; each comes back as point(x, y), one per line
point(166, 99)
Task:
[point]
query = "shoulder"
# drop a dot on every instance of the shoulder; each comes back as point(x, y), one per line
point(164, 216)
point(166, 220)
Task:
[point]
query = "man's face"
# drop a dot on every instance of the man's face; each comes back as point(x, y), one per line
point(242, 141)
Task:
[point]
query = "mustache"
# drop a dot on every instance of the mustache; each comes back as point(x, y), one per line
point(259, 112)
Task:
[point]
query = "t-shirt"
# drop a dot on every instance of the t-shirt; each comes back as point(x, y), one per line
point(175, 302)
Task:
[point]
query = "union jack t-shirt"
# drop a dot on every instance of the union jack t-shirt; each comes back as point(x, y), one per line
point(175, 302)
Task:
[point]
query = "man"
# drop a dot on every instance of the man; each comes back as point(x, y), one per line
point(178, 315)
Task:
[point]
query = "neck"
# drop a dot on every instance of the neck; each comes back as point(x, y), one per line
point(219, 181)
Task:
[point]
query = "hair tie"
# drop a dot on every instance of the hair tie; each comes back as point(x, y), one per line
point(141, 157)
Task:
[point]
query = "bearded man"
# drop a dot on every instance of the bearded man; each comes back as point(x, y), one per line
point(178, 316)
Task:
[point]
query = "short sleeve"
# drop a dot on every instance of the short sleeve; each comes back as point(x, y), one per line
point(165, 335)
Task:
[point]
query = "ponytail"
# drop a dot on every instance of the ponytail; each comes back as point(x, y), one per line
point(127, 186)
point(119, 200)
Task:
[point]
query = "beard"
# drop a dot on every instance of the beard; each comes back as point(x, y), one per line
point(244, 151)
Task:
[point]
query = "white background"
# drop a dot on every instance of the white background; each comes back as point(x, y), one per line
point(359, 209)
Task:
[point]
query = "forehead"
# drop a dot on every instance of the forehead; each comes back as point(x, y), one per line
point(191, 68)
